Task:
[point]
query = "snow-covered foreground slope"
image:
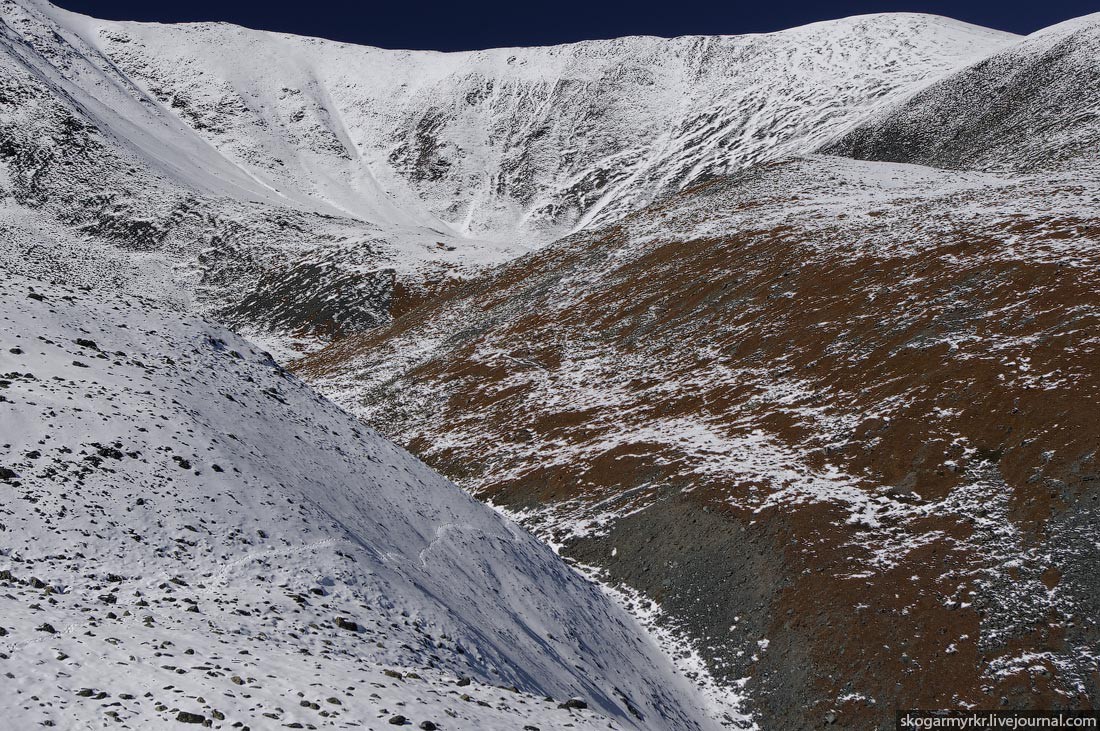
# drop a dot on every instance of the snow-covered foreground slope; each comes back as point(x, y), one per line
point(185, 528)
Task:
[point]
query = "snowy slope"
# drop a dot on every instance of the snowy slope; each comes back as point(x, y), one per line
point(1031, 106)
point(188, 528)
point(92, 170)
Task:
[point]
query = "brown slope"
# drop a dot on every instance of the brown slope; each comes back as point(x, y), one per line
point(847, 408)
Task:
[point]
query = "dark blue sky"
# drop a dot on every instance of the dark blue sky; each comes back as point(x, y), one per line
point(459, 25)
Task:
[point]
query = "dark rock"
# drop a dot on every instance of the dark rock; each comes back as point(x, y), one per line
point(110, 452)
point(347, 624)
point(188, 717)
point(398, 720)
point(573, 703)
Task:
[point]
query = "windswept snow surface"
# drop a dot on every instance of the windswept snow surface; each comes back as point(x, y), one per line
point(187, 528)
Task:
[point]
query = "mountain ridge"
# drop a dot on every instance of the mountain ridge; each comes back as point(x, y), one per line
point(514, 154)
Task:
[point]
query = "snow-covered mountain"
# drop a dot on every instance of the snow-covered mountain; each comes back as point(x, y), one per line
point(223, 159)
point(836, 416)
point(526, 143)
point(788, 338)
point(187, 528)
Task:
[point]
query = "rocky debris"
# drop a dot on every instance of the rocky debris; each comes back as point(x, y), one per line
point(188, 717)
point(347, 624)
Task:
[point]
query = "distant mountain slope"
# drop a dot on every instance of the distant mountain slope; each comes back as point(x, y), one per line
point(94, 170)
point(1032, 105)
point(186, 528)
point(836, 417)
point(501, 143)
point(526, 143)
point(300, 189)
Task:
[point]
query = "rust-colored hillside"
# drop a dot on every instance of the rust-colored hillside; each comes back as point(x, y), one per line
point(838, 418)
